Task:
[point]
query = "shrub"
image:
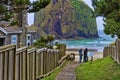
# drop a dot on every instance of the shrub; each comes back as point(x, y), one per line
point(44, 41)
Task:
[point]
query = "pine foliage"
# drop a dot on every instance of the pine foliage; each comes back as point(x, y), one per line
point(10, 7)
point(110, 10)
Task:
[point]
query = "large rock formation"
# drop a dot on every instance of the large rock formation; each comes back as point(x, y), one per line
point(67, 19)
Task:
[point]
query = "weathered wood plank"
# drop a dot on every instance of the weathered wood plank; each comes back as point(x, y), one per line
point(7, 48)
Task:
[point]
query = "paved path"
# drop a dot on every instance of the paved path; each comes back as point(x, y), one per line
point(68, 72)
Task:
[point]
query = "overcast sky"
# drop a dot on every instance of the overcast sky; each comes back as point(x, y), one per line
point(99, 20)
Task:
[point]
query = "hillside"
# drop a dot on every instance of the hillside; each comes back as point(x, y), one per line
point(67, 19)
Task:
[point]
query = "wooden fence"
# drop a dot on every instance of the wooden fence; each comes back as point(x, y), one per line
point(28, 64)
point(113, 51)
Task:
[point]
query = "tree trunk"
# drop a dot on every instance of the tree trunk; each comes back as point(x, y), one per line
point(22, 18)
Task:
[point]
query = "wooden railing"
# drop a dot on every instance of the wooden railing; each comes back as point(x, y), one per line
point(113, 51)
point(29, 64)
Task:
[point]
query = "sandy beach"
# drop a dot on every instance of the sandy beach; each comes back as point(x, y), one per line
point(96, 55)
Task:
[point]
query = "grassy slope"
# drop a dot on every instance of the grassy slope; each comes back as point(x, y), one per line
point(102, 69)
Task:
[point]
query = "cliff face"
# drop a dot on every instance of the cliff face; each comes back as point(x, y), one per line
point(67, 19)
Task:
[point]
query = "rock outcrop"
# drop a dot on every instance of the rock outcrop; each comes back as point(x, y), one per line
point(67, 19)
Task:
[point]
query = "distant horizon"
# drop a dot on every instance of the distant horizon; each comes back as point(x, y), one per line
point(99, 20)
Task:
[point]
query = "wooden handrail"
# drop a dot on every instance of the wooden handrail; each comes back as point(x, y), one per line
point(7, 47)
point(31, 50)
point(20, 50)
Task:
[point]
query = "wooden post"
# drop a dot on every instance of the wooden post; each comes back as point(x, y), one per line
point(17, 67)
point(35, 54)
point(25, 65)
point(104, 52)
point(54, 59)
point(107, 51)
point(57, 57)
point(48, 52)
point(118, 45)
point(44, 60)
point(32, 63)
point(50, 60)
point(47, 66)
point(21, 64)
point(6, 65)
point(28, 67)
point(117, 50)
point(39, 63)
point(115, 53)
point(1, 67)
point(12, 56)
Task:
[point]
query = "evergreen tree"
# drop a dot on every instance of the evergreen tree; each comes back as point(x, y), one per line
point(110, 10)
point(9, 7)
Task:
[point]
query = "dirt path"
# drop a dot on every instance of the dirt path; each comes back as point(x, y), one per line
point(68, 72)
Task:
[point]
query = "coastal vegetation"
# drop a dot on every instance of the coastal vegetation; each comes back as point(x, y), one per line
point(101, 69)
point(44, 41)
point(110, 10)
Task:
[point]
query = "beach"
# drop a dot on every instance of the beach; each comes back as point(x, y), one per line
point(97, 54)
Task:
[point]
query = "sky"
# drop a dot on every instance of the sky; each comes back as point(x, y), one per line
point(30, 17)
point(99, 20)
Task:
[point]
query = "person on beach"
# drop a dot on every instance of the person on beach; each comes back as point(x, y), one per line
point(80, 55)
point(85, 55)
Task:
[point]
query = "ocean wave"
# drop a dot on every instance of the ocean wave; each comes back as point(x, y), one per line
point(99, 49)
point(97, 44)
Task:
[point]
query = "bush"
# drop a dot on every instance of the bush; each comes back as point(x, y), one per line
point(44, 42)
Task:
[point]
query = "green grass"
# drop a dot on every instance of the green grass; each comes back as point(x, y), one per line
point(55, 73)
point(102, 69)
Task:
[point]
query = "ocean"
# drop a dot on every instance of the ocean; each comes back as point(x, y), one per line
point(96, 43)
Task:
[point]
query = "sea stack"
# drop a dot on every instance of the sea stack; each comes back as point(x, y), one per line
point(67, 19)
